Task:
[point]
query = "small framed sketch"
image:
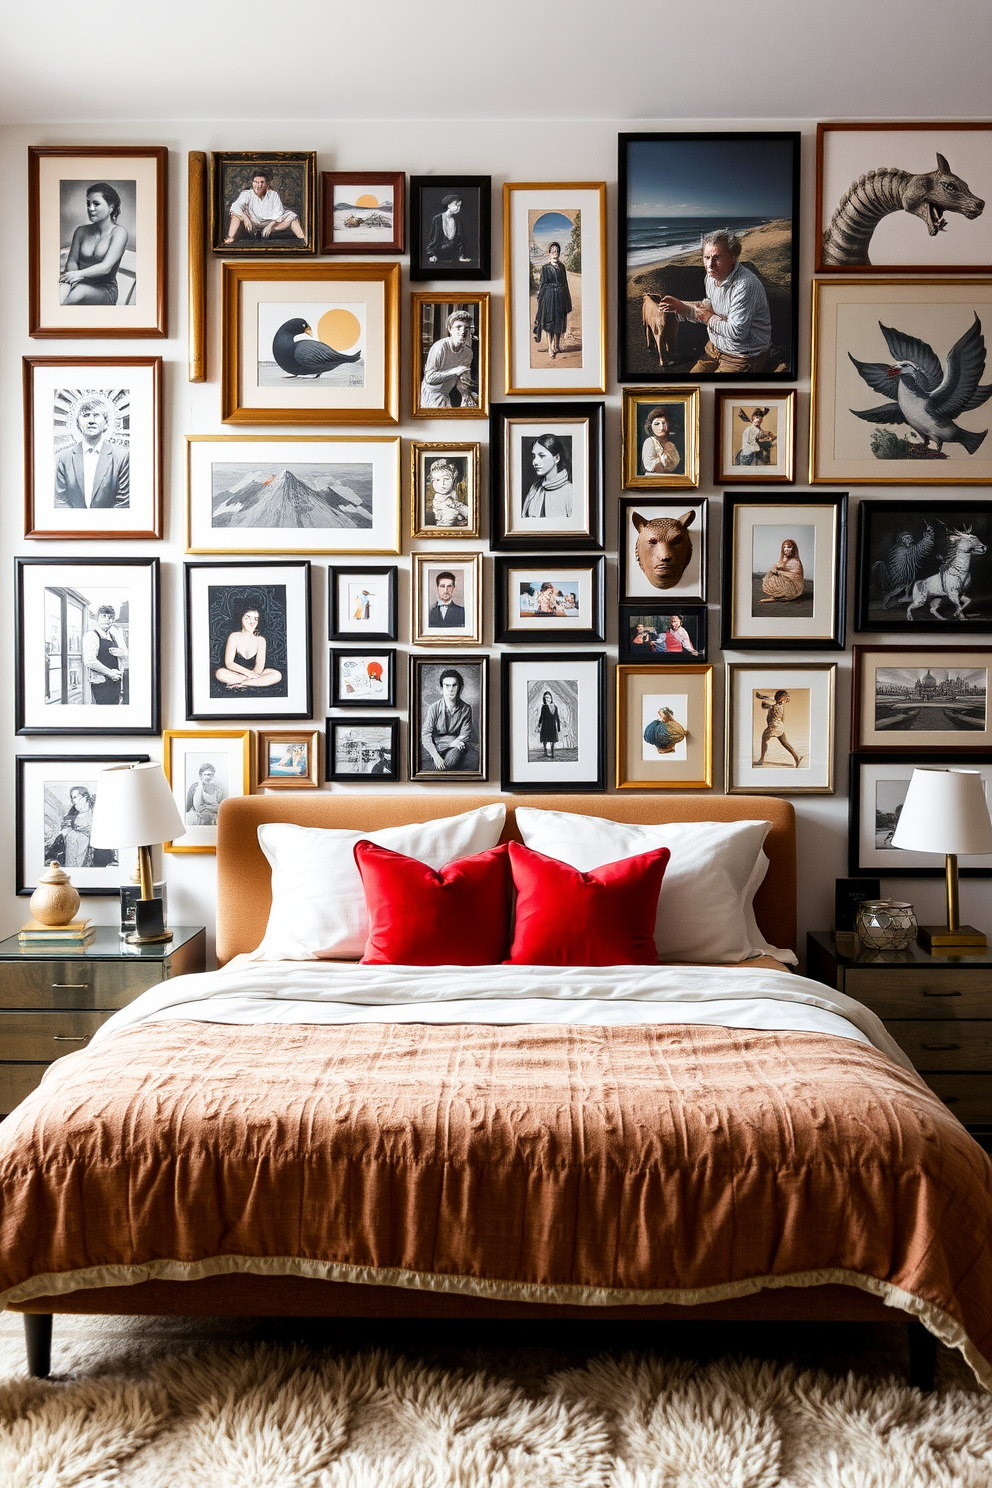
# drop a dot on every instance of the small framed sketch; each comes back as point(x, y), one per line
point(248, 640)
point(450, 227)
point(288, 760)
point(362, 604)
point(651, 635)
point(362, 211)
point(920, 698)
point(449, 718)
point(878, 787)
point(447, 599)
point(444, 490)
point(93, 447)
point(780, 728)
point(554, 236)
point(553, 721)
point(97, 240)
point(660, 438)
point(56, 794)
point(924, 566)
point(363, 749)
point(450, 349)
point(755, 437)
point(87, 646)
point(543, 600)
point(664, 728)
point(305, 493)
point(363, 678)
point(263, 204)
point(204, 767)
point(784, 572)
point(662, 549)
point(546, 476)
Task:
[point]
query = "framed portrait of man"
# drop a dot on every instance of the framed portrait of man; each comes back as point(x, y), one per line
point(449, 718)
point(263, 204)
point(447, 599)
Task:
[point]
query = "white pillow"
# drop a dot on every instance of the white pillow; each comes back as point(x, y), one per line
point(318, 904)
point(705, 910)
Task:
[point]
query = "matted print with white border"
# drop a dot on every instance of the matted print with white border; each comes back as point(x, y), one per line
point(363, 677)
point(660, 438)
point(444, 490)
point(784, 572)
point(921, 697)
point(361, 603)
point(664, 728)
point(449, 349)
point(263, 204)
point(288, 759)
point(755, 437)
point(447, 599)
point(550, 599)
point(449, 718)
point(924, 566)
point(204, 767)
point(362, 211)
point(546, 475)
point(780, 727)
point(878, 789)
point(553, 722)
point(56, 794)
point(662, 548)
point(366, 750)
point(656, 636)
point(449, 227)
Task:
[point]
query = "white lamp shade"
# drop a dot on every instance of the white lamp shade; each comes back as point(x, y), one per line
point(945, 811)
point(135, 807)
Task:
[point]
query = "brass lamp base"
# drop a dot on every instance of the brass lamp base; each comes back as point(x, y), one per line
point(133, 939)
point(943, 938)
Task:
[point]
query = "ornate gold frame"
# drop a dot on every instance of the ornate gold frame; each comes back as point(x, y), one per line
point(421, 636)
point(245, 735)
point(688, 477)
point(469, 297)
point(417, 448)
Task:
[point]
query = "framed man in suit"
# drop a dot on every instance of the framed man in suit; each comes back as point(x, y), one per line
point(444, 612)
point(94, 472)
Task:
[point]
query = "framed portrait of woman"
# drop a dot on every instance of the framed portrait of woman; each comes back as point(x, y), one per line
point(55, 797)
point(784, 572)
point(660, 438)
point(553, 721)
point(205, 767)
point(450, 227)
point(546, 476)
point(450, 349)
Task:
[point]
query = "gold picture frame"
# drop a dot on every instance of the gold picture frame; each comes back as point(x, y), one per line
point(228, 749)
point(196, 268)
point(681, 755)
point(291, 182)
point(298, 765)
point(447, 599)
point(793, 735)
point(436, 352)
point(670, 448)
point(425, 520)
point(754, 437)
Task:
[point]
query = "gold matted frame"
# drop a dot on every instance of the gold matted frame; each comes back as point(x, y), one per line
point(656, 457)
point(466, 597)
point(196, 269)
point(679, 755)
point(801, 724)
point(298, 768)
point(746, 452)
point(181, 747)
point(464, 491)
point(432, 350)
point(368, 292)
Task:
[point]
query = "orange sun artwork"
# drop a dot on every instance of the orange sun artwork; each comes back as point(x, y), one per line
point(367, 201)
point(339, 329)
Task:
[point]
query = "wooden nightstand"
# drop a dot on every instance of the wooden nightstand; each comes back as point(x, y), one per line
point(51, 1003)
point(937, 1008)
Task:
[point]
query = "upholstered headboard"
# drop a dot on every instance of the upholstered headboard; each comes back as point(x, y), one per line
point(243, 891)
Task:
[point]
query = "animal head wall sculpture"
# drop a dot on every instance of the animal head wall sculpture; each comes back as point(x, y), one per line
point(663, 548)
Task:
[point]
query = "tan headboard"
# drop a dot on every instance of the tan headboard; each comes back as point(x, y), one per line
point(243, 889)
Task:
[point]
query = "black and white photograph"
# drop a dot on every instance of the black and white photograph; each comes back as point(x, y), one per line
point(363, 678)
point(362, 211)
point(539, 600)
point(263, 204)
point(449, 718)
point(204, 768)
point(450, 227)
point(248, 640)
point(784, 572)
point(450, 347)
point(363, 749)
point(924, 566)
point(553, 721)
point(651, 635)
point(444, 490)
point(56, 795)
point(362, 603)
point(447, 599)
point(546, 476)
point(663, 548)
point(908, 697)
point(878, 787)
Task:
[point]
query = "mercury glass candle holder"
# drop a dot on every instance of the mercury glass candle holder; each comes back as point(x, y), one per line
point(886, 925)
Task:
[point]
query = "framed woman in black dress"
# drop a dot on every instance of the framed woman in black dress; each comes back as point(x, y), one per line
point(554, 301)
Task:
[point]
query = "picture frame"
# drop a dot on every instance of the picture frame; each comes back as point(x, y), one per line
point(575, 759)
point(444, 244)
point(920, 698)
point(358, 216)
point(274, 222)
point(440, 730)
point(774, 597)
point(298, 493)
point(54, 799)
point(648, 636)
point(362, 603)
point(555, 305)
point(449, 350)
point(288, 759)
point(656, 749)
point(77, 620)
point(661, 255)
point(924, 566)
point(660, 438)
point(126, 296)
point(363, 750)
point(197, 218)
point(877, 790)
point(445, 497)
point(363, 677)
point(861, 329)
point(204, 767)
point(540, 601)
point(784, 714)
point(872, 233)
point(532, 507)
point(754, 437)
point(352, 312)
point(223, 644)
point(662, 548)
point(447, 599)
point(93, 447)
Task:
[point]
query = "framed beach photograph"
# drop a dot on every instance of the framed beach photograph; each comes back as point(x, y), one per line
point(363, 677)
point(449, 718)
point(447, 599)
point(449, 344)
point(878, 786)
point(708, 255)
point(901, 385)
point(784, 572)
point(755, 436)
point(86, 644)
point(540, 600)
point(922, 207)
point(54, 801)
point(920, 698)
point(93, 447)
point(314, 343)
point(546, 476)
point(660, 438)
point(263, 204)
point(248, 640)
point(288, 759)
point(362, 211)
point(654, 636)
point(365, 750)
point(554, 258)
point(362, 603)
point(304, 493)
point(924, 565)
point(662, 547)
point(444, 490)
point(97, 240)
point(450, 227)
point(204, 767)
point(553, 721)
point(780, 728)
point(664, 728)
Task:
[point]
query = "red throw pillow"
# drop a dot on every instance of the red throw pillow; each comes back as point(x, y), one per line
point(602, 918)
point(458, 915)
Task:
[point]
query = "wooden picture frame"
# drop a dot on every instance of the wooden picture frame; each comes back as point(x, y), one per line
point(678, 755)
point(368, 223)
point(921, 698)
point(546, 496)
point(447, 599)
point(648, 636)
point(362, 677)
point(574, 759)
point(279, 221)
point(445, 495)
point(459, 247)
point(188, 758)
point(365, 751)
point(545, 600)
point(449, 352)
point(924, 566)
point(362, 603)
point(54, 796)
point(784, 713)
point(663, 546)
point(754, 437)
point(774, 597)
point(288, 759)
point(440, 757)
point(196, 268)
point(877, 789)
point(660, 438)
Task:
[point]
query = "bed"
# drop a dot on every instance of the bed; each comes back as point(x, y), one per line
point(623, 1142)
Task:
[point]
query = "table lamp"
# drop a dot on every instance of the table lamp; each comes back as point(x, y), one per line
point(945, 811)
point(136, 808)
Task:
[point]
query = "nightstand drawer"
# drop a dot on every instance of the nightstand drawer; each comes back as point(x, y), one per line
point(46, 1036)
point(968, 1096)
point(946, 1046)
point(915, 992)
point(17, 1081)
point(75, 984)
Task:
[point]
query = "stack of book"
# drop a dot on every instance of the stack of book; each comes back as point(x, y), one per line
point(71, 937)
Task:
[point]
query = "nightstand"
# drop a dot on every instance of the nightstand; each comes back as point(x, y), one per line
point(937, 1008)
point(52, 1002)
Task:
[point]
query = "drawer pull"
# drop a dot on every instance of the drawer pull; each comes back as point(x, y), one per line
point(63, 986)
point(940, 1048)
point(928, 993)
point(950, 1100)
point(69, 1038)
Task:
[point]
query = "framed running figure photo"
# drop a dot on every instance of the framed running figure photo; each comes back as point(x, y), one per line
point(450, 349)
point(780, 728)
point(921, 697)
point(204, 767)
point(263, 204)
point(539, 600)
point(546, 476)
point(362, 603)
point(662, 549)
point(664, 728)
point(444, 490)
point(553, 721)
point(924, 566)
point(660, 438)
point(755, 437)
point(449, 227)
point(784, 572)
point(362, 211)
point(54, 801)
point(449, 718)
point(363, 750)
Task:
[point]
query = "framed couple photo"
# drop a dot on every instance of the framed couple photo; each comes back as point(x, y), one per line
point(546, 476)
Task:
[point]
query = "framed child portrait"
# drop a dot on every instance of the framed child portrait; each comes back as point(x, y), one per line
point(450, 348)
point(553, 721)
point(755, 437)
point(204, 767)
point(664, 728)
point(363, 750)
point(444, 490)
point(362, 603)
point(543, 599)
point(447, 599)
point(546, 476)
point(288, 760)
point(263, 204)
point(656, 636)
point(780, 727)
point(660, 438)
point(784, 572)
point(449, 718)
point(363, 677)
point(662, 549)
point(449, 227)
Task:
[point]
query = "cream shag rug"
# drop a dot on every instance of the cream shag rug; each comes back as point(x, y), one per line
point(137, 1403)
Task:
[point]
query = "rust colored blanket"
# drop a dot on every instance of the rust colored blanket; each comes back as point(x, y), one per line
point(579, 1164)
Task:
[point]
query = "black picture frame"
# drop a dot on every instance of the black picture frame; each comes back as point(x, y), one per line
point(654, 618)
point(905, 762)
point(544, 630)
point(655, 506)
point(24, 762)
point(335, 726)
point(338, 576)
point(807, 503)
point(340, 699)
point(540, 418)
point(550, 661)
point(426, 194)
point(880, 521)
point(430, 670)
point(290, 173)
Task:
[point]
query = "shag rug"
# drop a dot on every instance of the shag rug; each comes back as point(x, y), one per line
point(146, 1403)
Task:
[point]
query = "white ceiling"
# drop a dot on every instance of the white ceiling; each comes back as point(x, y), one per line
point(62, 60)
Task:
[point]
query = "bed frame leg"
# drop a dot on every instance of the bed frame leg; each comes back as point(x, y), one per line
point(38, 1341)
point(922, 1356)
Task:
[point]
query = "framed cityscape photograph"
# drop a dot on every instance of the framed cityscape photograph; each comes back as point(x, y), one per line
point(653, 636)
point(660, 438)
point(878, 786)
point(449, 718)
point(780, 727)
point(920, 698)
point(662, 548)
point(450, 227)
point(204, 767)
point(362, 211)
point(444, 490)
point(540, 600)
point(363, 750)
point(546, 476)
point(363, 677)
point(755, 441)
point(664, 728)
point(288, 759)
point(553, 721)
point(447, 599)
point(53, 817)
point(449, 345)
point(263, 203)
point(362, 603)
point(784, 572)
point(924, 565)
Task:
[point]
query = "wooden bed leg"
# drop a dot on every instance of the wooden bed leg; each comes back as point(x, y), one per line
point(922, 1356)
point(38, 1341)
